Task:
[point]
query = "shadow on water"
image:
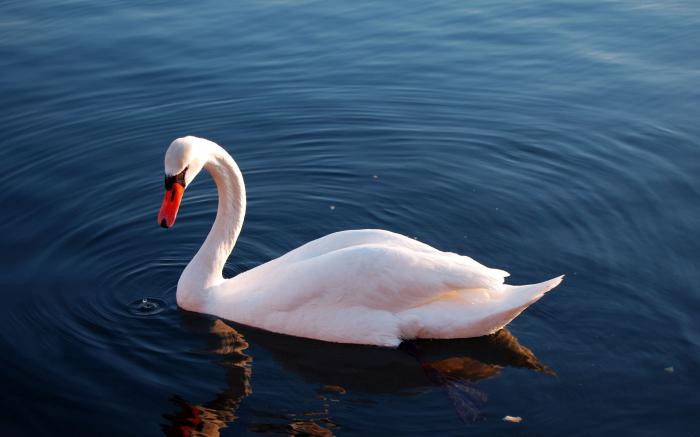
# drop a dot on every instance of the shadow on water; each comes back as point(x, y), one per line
point(454, 365)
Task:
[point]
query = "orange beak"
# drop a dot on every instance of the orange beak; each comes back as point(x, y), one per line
point(171, 203)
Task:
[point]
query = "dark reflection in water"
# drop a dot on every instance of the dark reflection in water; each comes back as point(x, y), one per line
point(207, 419)
point(340, 369)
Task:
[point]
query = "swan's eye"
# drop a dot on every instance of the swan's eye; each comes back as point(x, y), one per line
point(176, 179)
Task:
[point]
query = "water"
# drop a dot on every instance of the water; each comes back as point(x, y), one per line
point(539, 137)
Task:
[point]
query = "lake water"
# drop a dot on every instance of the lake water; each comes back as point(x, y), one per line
point(541, 137)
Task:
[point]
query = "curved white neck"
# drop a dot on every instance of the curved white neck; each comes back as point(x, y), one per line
point(206, 268)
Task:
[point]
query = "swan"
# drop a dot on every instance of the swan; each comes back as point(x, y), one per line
point(365, 286)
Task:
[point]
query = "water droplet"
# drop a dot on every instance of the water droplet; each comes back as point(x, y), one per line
point(147, 306)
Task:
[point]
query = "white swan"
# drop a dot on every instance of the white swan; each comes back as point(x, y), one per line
point(363, 286)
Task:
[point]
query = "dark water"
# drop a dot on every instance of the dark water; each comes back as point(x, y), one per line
point(539, 137)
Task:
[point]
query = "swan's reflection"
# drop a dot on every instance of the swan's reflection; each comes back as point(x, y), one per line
point(208, 419)
point(336, 368)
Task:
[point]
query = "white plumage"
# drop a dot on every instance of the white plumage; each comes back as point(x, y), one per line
point(361, 286)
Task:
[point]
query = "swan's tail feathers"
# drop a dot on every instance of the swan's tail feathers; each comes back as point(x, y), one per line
point(514, 300)
point(527, 294)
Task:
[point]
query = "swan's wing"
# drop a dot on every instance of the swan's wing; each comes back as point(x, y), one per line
point(379, 277)
point(333, 242)
point(358, 237)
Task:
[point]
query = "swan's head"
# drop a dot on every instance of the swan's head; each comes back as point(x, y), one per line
point(184, 159)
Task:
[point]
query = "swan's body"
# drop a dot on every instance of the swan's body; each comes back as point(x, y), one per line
point(363, 286)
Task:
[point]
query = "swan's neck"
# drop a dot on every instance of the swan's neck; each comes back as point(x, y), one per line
point(206, 268)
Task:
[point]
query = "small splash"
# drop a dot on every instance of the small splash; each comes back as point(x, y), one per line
point(147, 306)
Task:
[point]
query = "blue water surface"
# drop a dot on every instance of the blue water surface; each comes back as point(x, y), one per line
point(540, 137)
